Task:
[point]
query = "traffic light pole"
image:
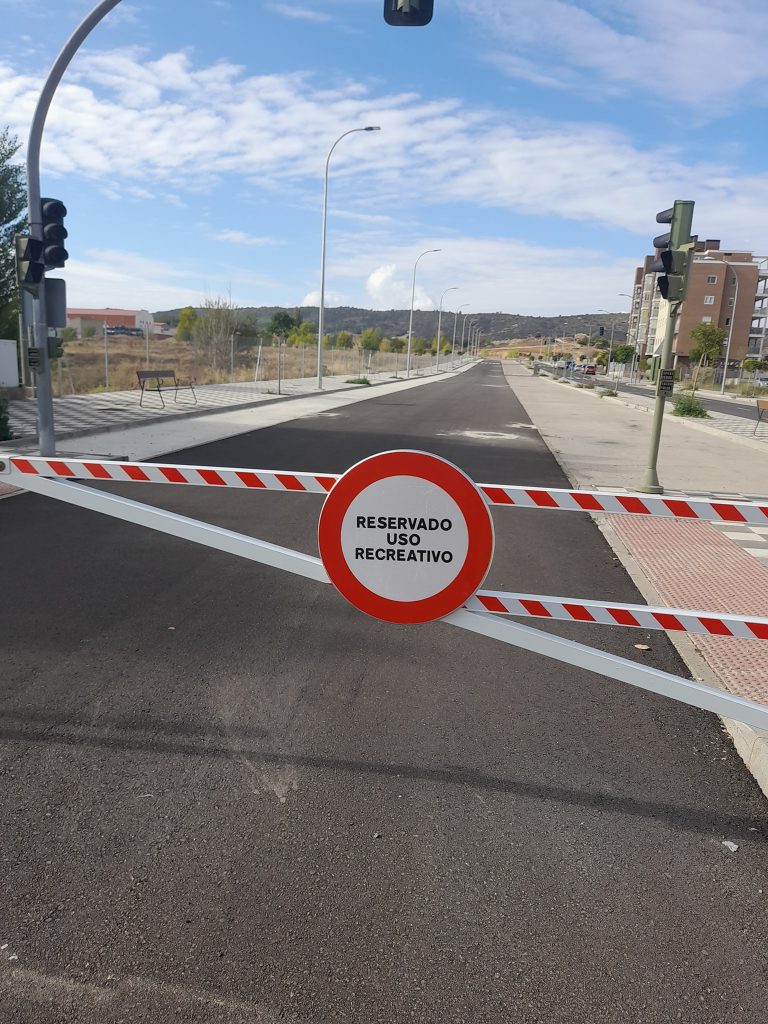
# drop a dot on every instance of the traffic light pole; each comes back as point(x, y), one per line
point(39, 325)
point(650, 484)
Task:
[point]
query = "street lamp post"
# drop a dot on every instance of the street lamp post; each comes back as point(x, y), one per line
point(410, 320)
point(635, 354)
point(45, 427)
point(453, 343)
point(106, 358)
point(232, 355)
point(321, 310)
point(455, 288)
point(730, 330)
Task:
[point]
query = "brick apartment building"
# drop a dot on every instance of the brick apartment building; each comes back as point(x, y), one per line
point(724, 288)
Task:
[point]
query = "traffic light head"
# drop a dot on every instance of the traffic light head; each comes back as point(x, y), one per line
point(29, 263)
point(673, 250)
point(52, 214)
point(602, 331)
point(408, 12)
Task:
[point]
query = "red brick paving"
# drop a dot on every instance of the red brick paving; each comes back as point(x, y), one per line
point(692, 565)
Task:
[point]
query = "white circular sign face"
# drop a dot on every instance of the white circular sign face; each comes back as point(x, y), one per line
point(404, 538)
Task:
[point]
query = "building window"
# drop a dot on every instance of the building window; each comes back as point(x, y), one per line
point(730, 301)
point(709, 300)
point(712, 279)
point(727, 321)
point(706, 319)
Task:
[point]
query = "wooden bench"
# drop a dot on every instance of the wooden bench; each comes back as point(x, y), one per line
point(160, 377)
point(762, 410)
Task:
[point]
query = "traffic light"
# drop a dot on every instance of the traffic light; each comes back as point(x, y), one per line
point(29, 263)
point(52, 213)
point(408, 12)
point(673, 250)
point(602, 332)
point(55, 347)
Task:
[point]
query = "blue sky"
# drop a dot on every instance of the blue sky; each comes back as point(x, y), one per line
point(532, 141)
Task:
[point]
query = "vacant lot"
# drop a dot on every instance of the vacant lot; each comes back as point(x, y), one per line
point(83, 368)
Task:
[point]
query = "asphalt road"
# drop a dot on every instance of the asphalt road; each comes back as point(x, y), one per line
point(227, 796)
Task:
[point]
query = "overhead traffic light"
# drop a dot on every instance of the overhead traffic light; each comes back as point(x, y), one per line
point(52, 213)
point(602, 332)
point(673, 250)
point(29, 263)
point(408, 12)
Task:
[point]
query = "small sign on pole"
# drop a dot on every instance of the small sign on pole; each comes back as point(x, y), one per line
point(666, 382)
point(406, 537)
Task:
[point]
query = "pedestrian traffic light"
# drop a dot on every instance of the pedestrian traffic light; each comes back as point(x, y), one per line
point(673, 250)
point(55, 347)
point(52, 213)
point(29, 263)
point(408, 12)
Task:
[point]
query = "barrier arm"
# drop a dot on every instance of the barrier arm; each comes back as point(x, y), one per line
point(517, 635)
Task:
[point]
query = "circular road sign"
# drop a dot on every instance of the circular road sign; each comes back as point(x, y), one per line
point(406, 537)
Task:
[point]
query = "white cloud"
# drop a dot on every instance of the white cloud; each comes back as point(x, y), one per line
point(709, 55)
point(298, 13)
point(242, 238)
point(174, 126)
point(331, 299)
point(388, 291)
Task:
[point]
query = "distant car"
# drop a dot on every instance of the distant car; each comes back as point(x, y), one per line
point(590, 369)
point(762, 381)
point(561, 364)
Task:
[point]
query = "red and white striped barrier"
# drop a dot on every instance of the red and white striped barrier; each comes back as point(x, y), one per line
point(640, 616)
point(618, 502)
point(626, 503)
point(165, 473)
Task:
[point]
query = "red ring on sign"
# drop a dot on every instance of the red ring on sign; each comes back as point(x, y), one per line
point(457, 485)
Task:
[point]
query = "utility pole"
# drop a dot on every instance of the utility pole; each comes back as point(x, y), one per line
point(675, 258)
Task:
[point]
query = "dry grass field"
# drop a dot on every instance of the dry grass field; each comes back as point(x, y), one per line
point(83, 370)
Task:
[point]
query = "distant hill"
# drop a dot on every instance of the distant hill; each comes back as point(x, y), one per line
point(496, 327)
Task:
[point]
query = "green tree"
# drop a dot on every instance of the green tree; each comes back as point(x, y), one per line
point(13, 201)
point(708, 341)
point(282, 323)
point(398, 344)
point(344, 339)
point(304, 335)
point(68, 334)
point(622, 354)
point(418, 346)
point(88, 331)
point(218, 320)
point(370, 339)
point(186, 326)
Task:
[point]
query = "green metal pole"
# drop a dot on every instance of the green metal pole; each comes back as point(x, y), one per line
point(650, 484)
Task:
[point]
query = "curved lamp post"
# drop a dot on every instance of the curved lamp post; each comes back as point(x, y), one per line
point(455, 288)
point(410, 320)
point(321, 310)
point(38, 317)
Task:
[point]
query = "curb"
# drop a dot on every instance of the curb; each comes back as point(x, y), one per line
point(747, 442)
point(751, 744)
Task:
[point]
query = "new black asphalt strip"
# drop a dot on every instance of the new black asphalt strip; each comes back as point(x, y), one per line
point(227, 796)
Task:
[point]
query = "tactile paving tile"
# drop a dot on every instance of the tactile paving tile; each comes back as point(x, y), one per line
point(695, 565)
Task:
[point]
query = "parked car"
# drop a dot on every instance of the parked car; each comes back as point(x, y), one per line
point(590, 369)
point(561, 364)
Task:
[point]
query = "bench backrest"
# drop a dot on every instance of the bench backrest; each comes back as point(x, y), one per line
point(159, 374)
point(762, 403)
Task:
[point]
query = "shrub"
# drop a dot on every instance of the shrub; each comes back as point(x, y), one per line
point(608, 392)
point(359, 380)
point(686, 405)
point(590, 384)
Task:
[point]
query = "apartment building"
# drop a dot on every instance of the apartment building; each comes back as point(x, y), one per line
point(727, 288)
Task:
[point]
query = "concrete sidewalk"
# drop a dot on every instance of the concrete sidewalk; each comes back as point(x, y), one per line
point(716, 423)
point(603, 444)
point(83, 415)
